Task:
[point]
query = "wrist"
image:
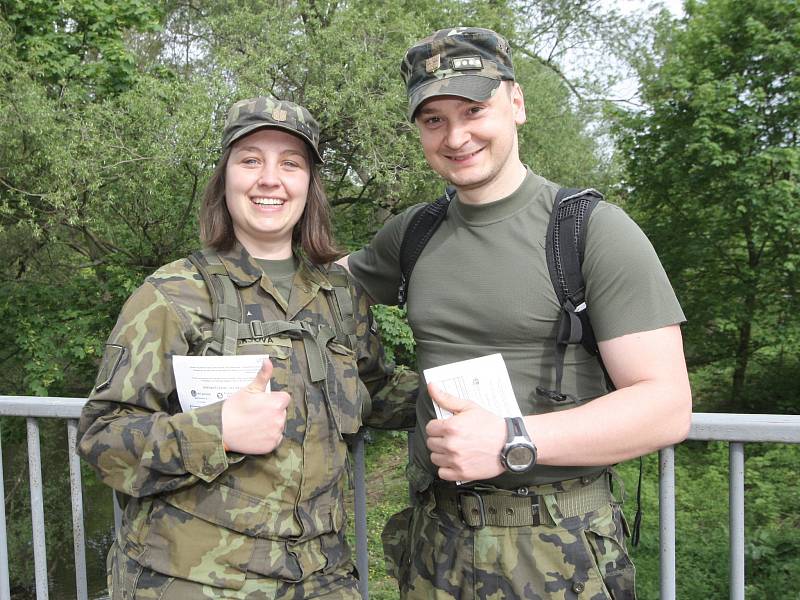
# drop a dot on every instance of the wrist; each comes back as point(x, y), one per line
point(518, 455)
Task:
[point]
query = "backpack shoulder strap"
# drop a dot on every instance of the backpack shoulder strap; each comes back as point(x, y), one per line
point(341, 301)
point(417, 235)
point(226, 307)
point(566, 242)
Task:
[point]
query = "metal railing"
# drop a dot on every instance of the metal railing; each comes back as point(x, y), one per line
point(735, 429)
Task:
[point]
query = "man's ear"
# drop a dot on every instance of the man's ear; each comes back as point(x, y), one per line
point(517, 102)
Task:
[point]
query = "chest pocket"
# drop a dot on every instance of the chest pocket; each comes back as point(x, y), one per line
point(346, 393)
point(279, 349)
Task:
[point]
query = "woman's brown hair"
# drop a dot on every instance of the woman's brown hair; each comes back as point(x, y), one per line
point(312, 233)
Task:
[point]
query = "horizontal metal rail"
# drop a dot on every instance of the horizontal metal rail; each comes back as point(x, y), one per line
point(33, 408)
point(734, 428)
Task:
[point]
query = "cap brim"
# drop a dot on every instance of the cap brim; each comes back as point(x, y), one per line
point(239, 134)
point(471, 87)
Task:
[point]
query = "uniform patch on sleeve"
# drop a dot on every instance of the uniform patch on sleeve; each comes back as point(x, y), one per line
point(112, 357)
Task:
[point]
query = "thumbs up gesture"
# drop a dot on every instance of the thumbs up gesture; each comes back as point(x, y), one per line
point(466, 446)
point(252, 419)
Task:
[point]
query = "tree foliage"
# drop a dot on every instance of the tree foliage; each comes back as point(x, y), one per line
point(110, 120)
point(103, 161)
point(713, 165)
point(78, 43)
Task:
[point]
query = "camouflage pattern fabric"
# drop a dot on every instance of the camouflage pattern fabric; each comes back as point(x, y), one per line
point(433, 555)
point(126, 575)
point(469, 62)
point(246, 116)
point(194, 511)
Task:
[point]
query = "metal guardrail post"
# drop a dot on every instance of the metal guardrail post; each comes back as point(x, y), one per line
point(37, 509)
point(5, 586)
point(736, 516)
point(360, 514)
point(666, 516)
point(76, 493)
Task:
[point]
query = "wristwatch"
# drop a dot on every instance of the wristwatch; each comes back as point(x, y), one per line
point(519, 453)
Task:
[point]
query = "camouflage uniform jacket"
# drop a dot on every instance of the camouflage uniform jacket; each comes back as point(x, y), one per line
point(194, 510)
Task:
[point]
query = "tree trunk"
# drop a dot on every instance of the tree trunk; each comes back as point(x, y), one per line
point(742, 355)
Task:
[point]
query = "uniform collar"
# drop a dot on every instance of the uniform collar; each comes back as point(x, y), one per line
point(244, 270)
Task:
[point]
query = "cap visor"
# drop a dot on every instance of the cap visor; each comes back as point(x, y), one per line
point(256, 126)
point(471, 87)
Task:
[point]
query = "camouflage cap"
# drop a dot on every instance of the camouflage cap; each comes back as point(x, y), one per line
point(469, 62)
point(246, 116)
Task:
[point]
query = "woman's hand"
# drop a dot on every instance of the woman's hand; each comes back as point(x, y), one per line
point(252, 419)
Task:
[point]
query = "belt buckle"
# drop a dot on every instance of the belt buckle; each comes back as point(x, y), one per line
point(481, 508)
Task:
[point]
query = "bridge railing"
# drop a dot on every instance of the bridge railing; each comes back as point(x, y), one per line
point(735, 429)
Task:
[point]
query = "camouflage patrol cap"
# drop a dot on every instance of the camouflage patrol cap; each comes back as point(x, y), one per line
point(246, 116)
point(469, 62)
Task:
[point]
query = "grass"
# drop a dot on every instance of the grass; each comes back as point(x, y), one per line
point(387, 493)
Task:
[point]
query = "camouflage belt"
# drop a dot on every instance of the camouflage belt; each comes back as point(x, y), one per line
point(478, 508)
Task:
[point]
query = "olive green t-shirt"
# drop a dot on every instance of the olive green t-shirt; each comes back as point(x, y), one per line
point(482, 286)
point(281, 274)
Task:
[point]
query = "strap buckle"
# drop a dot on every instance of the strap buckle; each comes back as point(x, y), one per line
point(256, 328)
point(481, 510)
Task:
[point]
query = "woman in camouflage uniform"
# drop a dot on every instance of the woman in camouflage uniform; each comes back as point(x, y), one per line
point(243, 498)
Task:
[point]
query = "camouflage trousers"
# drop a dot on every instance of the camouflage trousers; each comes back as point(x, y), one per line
point(128, 580)
point(435, 556)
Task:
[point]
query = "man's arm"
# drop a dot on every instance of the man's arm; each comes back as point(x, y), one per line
point(651, 409)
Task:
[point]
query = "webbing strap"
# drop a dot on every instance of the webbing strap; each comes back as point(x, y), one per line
point(343, 311)
point(226, 308)
point(566, 241)
point(348, 322)
point(507, 509)
point(585, 499)
point(319, 336)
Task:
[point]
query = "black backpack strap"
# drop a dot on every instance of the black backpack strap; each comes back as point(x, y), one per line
point(417, 235)
point(565, 245)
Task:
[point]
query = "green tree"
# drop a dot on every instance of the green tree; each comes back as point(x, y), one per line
point(78, 43)
point(713, 164)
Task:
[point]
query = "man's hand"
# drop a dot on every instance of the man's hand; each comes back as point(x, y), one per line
point(252, 419)
point(465, 447)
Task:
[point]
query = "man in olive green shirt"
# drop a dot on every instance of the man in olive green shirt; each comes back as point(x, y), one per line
point(537, 518)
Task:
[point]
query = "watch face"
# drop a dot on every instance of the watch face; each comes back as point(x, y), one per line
point(519, 457)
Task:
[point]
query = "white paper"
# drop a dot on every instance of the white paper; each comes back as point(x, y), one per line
point(483, 380)
point(203, 380)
